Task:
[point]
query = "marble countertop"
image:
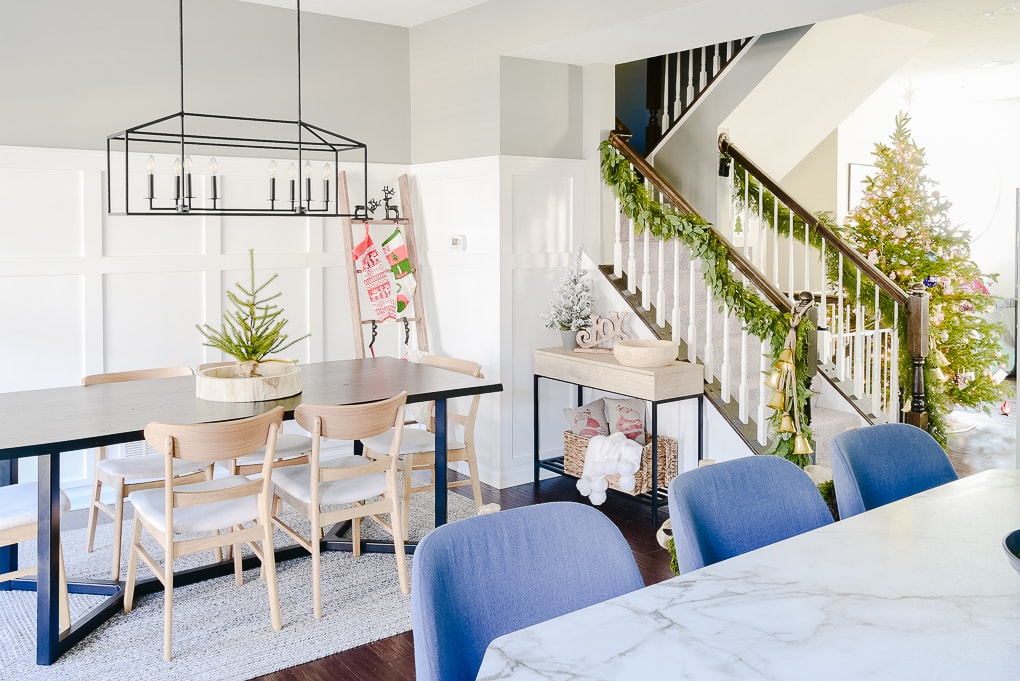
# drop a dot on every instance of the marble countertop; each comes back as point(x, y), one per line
point(918, 589)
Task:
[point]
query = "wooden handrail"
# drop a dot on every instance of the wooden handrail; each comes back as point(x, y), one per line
point(861, 262)
point(743, 265)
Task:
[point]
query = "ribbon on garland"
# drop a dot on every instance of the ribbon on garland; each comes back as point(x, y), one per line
point(783, 382)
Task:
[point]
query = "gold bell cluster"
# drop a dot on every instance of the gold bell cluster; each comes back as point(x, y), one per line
point(783, 381)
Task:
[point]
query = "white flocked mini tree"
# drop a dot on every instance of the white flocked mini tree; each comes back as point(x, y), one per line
point(574, 304)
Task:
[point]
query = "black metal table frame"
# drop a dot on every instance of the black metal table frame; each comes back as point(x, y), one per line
point(657, 496)
point(50, 643)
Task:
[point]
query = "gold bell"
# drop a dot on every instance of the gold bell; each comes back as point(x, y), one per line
point(773, 380)
point(786, 424)
point(785, 360)
point(778, 400)
point(801, 445)
point(939, 374)
point(941, 359)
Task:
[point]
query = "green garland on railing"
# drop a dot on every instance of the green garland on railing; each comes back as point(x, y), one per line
point(845, 273)
point(758, 316)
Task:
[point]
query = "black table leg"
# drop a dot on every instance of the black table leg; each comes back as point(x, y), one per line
point(441, 472)
point(47, 578)
point(8, 554)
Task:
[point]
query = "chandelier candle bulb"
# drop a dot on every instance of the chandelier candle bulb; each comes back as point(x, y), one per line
point(326, 172)
point(272, 183)
point(213, 167)
point(150, 165)
point(177, 180)
point(187, 177)
point(293, 173)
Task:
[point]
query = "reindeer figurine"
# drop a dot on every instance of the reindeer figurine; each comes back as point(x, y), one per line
point(388, 193)
point(363, 213)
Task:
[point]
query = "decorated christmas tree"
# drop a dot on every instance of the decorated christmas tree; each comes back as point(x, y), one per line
point(902, 225)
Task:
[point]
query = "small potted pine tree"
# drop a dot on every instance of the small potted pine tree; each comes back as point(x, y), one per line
point(572, 308)
point(249, 334)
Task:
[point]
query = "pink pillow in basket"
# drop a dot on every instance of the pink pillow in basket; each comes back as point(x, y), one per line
point(626, 416)
point(589, 420)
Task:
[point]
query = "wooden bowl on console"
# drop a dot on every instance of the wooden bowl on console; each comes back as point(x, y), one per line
point(645, 354)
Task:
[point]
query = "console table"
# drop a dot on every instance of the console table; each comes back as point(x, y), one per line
point(672, 383)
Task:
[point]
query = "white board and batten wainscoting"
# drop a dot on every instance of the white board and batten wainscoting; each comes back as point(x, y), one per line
point(85, 292)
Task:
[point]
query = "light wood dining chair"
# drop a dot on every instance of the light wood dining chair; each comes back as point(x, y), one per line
point(19, 521)
point(174, 514)
point(418, 447)
point(124, 476)
point(365, 488)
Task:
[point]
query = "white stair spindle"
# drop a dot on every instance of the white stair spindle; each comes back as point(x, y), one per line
point(763, 363)
point(724, 366)
point(690, 76)
point(660, 293)
point(807, 257)
point(823, 315)
point(858, 363)
point(715, 61)
point(893, 405)
point(775, 242)
point(646, 273)
point(789, 261)
point(675, 317)
point(631, 262)
point(618, 243)
point(877, 386)
point(742, 406)
point(677, 85)
point(709, 353)
point(692, 327)
point(702, 76)
point(840, 326)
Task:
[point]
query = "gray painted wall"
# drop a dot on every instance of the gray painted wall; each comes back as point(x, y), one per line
point(540, 109)
point(690, 158)
point(74, 72)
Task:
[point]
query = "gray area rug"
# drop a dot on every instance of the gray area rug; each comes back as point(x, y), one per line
point(221, 630)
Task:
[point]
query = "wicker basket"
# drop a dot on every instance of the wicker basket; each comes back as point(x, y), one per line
point(575, 446)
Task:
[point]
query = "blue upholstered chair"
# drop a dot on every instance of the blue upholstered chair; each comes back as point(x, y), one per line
point(479, 578)
point(876, 465)
point(733, 507)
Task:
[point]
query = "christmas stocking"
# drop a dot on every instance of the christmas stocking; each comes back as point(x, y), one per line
point(376, 282)
point(395, 250)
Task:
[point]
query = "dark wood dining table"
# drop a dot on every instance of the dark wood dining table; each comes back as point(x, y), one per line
point(44, 423)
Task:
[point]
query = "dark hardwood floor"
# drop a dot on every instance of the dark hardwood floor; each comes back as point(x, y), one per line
point(392, 659)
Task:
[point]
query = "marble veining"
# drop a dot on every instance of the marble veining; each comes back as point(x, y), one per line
point(919, 589)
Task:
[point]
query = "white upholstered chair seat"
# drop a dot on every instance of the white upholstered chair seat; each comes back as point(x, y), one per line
point(414, 441)
point(135, 469)
point(288, 446)
point(149, 504)
point(19, 505)
point(19, 521)
point(294, 483)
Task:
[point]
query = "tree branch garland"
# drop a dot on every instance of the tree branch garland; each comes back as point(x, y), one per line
point(758, 316)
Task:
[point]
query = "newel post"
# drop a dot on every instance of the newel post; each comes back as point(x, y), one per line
point(917, 346)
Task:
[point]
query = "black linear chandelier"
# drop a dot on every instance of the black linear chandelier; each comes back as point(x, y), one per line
point(300, 147)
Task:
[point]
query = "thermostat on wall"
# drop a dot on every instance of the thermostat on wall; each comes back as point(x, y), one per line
point(458, 242)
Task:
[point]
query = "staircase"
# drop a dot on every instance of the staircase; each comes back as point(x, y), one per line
point(778, 249)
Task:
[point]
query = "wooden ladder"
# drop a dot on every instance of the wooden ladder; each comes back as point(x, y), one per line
point(406, 223)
